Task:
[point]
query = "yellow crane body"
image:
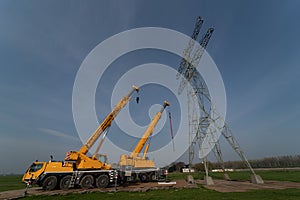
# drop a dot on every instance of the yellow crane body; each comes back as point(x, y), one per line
point(136, 162)
point(78, 168)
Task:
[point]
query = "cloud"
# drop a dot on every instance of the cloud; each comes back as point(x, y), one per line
point(58, 134)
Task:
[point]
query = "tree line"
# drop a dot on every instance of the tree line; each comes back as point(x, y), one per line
point(270, 162)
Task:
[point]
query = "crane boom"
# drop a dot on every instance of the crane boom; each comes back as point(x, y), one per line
point(134, 165)
point(107, 121)
point(148, 132)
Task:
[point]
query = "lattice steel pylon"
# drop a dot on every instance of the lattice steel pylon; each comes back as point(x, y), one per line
point(187, 68)
point(205, 122)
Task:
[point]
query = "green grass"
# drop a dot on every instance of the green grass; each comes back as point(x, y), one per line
point(293, 176)
point(281, 175)
point(200, 193)
point(266, 175)
point(14, 182)
point(11, 182)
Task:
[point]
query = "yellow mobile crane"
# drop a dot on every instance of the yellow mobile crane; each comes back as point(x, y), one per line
point(78, 169)
point(134, 165)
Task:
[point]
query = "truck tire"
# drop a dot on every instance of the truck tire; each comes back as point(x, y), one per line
point(65, 182)
point(102, 181)
point(143, 177)
point(87, 182)
point(152, 176)
point(133, 177)
point(50, 183)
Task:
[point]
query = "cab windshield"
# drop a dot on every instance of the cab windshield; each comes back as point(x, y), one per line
point(35, 167)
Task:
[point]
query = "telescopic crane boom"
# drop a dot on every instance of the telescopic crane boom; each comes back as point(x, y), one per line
point(107, 121)
point(141, 166)
point(137, 150)
point(85, 162)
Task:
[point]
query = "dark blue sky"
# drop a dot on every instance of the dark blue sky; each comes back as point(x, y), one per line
point(43, 43)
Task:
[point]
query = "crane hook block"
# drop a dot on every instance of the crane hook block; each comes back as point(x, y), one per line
point(136, 88)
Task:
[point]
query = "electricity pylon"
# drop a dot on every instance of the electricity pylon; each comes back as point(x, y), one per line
point(206, 123)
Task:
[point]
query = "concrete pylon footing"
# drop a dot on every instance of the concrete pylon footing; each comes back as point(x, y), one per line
point(256, 179)
point(226, 177)
point(208, 180)
point(190, 179)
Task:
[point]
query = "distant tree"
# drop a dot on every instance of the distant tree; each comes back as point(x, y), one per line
point(270, 162)
point(175, 166)
point(179, 166)
point(172, 168)
point(200, 166)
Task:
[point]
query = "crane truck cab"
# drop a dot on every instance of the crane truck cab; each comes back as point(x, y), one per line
point(45, 174)
point(33, 171)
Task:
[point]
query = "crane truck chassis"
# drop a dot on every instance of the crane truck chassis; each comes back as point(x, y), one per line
point(44, 174)
point(78, 169)
point(142, 174)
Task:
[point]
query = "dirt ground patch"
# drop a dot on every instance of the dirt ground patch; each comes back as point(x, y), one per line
point(219, 185)
point(133, 187)
point(243, 186)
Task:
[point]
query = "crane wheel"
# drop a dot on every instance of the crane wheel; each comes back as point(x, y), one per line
point(152, 176)
point(143, 177)
point(133, 176)
point(102, 181)
point(49, 183)
point(65, 182)
point(87, 182)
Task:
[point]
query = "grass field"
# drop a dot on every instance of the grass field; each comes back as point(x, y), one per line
point(200, 193)
point(266, 175)
point(14, 182)
point(11, 182)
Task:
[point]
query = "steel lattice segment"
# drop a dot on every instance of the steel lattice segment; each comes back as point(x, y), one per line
point(189, 63)
point(188, 50)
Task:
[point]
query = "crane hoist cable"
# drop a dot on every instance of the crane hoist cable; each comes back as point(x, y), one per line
point(171, 130)
point(137, 99)
point(101, 141)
